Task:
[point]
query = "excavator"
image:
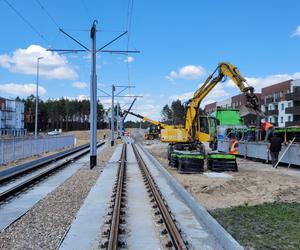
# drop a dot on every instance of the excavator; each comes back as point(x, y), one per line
point(198, 128)
point(154, 129)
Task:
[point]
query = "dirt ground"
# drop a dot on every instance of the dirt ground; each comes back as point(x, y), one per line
point(254, 183)
point(83, 136)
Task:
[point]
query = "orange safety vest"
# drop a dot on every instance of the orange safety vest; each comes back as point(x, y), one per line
point(234, 148)
point(266, 126)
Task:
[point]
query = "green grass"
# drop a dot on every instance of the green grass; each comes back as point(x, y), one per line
point(265, 226)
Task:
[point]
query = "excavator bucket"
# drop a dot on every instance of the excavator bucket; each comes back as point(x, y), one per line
point(249, 111)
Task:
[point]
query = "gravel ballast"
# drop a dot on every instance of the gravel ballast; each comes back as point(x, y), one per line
point(46, 223)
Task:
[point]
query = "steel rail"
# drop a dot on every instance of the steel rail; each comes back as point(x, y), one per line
point(115, 221)
point(18, 188)
point(176, 238)
point(9, 174)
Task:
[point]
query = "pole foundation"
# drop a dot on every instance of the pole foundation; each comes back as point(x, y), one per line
point(93, 161)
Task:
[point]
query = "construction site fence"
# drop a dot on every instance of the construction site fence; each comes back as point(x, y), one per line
point(259, 150)
point(19, 148)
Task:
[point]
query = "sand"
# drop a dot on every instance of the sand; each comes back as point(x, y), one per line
point(254, 183)
point(83, 136)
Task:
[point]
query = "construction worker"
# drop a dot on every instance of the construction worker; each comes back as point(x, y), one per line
point(234, 144)
point(268, 130)
point(275, 148)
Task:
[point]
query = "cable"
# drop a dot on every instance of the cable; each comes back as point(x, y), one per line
point(48, 14)
point(26, 21)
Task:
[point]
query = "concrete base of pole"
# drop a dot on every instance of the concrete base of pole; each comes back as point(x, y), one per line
point(93, 161)
point(112, 143)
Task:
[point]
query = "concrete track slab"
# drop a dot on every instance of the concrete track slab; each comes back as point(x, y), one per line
point(195, 232)
point(141, 230)
point(86, 227)
point(211, 226)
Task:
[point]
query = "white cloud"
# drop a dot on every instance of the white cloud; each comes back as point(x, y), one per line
point(53, 65)
point(79, 85)
point(129, 59)
point(79, 98)
point(296, 32)
point(260, 82)
point(82, 97)
point(187, 72)
point(183, 97)
point(21, 89)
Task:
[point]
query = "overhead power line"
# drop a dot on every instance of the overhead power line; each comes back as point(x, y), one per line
point(47, 13)
point(26, 21)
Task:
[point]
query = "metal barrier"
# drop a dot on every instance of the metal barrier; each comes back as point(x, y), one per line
point(259, 150)
point(20, 148)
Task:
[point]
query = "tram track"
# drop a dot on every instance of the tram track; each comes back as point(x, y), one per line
point(19, 180)
point(114, 235)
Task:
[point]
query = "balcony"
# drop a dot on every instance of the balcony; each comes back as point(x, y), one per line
point(271, 112)
point(272, 99)
point(293, 110)
point(293, 96)
point(294, 123)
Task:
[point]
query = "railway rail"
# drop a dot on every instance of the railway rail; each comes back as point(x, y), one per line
point(14, 172)
point(16, 181)
point(135, 205)
point(118, 216)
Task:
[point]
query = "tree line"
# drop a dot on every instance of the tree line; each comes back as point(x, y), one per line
point(174, 114)
point(68, 114)
point(62, 114)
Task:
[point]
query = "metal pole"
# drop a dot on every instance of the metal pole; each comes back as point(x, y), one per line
point(112, 115)
point(37, 97)
point(93, 101)
point(118, 125)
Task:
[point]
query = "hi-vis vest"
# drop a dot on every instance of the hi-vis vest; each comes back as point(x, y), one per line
point(234, 148)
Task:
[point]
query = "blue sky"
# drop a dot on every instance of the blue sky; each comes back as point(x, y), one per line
point(181, 42)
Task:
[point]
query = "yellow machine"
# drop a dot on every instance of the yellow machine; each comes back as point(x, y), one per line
point(154, 129)
point(186, 150)
point(195, 129)
point(198, 127)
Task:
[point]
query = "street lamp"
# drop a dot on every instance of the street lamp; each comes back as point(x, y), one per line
point(37, 96)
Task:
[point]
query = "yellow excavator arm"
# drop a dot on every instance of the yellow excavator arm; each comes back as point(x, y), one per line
point(161, 125)
point(197, 128)
point(224, 70)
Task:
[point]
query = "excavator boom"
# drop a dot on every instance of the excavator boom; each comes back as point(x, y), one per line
point(223, 70)
point(157, 123)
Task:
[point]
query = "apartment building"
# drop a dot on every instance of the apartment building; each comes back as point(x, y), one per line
point(11, 117)
point(292, 108)
point(281, 103)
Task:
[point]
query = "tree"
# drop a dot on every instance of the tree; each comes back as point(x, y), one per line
point(166, 114)
point(178, 112)
point(63, 113)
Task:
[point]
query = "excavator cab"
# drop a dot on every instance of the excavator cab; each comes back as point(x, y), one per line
point(206, 128)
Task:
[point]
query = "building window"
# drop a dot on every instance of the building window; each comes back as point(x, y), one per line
point(289, 118)
point(270, 119)
point(281, 119)
point(282, 106)
point(289, 104)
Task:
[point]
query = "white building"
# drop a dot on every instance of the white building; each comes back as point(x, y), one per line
point(281, 103)
point(11, 117)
